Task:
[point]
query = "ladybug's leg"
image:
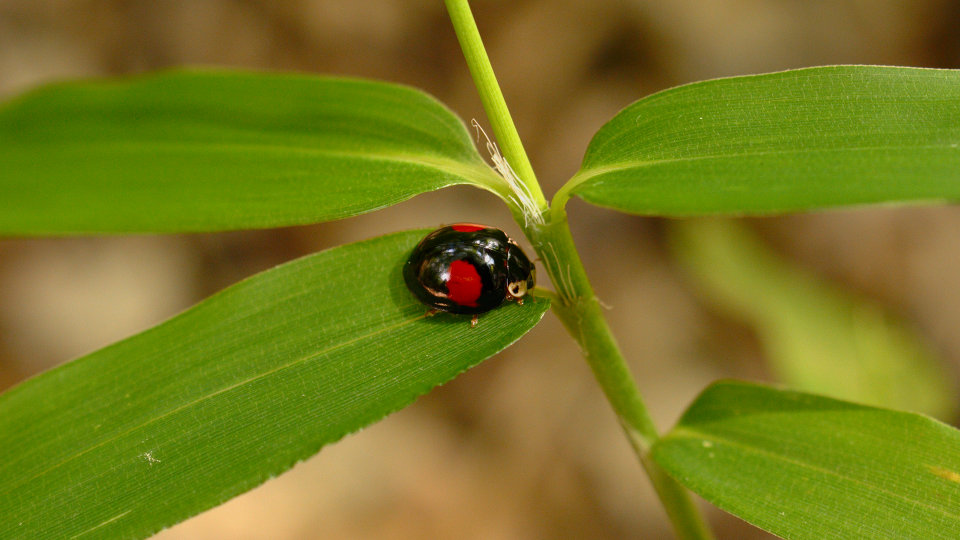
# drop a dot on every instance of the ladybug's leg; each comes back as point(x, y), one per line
point(474, 320)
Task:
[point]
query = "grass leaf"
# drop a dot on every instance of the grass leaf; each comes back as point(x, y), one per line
point(818, 337)
point(808, 467)
point(217, 150)
point(788, 141)
point(165, 424)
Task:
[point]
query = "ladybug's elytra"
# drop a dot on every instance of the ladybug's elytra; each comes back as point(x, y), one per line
point(468, 268)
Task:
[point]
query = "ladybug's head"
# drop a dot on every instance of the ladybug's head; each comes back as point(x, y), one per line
point(521, 274)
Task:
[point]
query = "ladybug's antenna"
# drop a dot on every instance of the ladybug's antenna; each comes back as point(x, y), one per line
point(520, 193)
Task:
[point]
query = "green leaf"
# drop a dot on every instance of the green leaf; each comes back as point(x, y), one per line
point(170, 422)
point(794, 140)
point(217, 150)
point(809, 467)
point(818, 337)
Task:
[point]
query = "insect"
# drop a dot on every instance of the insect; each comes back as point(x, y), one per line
point(469, 269)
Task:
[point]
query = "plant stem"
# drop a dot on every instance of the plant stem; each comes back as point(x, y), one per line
point(575, 304)
point(492, 98)
point(580, 312)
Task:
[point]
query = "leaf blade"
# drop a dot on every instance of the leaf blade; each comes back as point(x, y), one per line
point(817, 337)
point(803, 466)
point(213, 402)
point(778, 142)
point(215, 150)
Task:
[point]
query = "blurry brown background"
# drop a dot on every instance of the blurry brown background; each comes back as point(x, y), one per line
point(524, 445)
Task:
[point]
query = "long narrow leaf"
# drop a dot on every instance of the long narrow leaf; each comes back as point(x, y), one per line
point(794, 140)
point(818, 338)
point(170, 422)
point(808, 467)
point(217, 150)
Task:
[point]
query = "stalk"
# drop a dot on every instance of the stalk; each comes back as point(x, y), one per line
point(575, 303)
point(492, 98)
point(580, 311)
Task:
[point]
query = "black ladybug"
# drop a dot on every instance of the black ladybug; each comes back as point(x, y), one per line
point(468, 268)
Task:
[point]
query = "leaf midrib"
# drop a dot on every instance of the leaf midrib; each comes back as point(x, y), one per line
point(478, 171)
point(589, 173)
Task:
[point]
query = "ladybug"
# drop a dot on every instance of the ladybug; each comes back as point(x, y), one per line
point(468, 269)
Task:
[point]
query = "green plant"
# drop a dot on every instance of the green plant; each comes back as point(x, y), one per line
point(264, 373)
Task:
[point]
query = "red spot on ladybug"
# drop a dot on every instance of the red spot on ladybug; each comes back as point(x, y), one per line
point(464, 286)
point(468, 227)
point(468, 268)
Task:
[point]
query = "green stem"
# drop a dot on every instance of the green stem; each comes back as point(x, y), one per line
point(575, 304)
point(492, 98)
point(580, 312)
